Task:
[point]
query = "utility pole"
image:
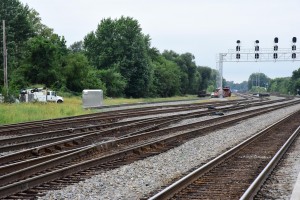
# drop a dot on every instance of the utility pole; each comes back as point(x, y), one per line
point(5, 58)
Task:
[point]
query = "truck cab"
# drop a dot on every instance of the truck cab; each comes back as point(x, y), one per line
point(51, 96)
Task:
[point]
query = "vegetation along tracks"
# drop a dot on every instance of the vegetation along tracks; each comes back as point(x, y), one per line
point(100, 154)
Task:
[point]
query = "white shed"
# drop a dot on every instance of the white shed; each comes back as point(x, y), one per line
point(92, 98)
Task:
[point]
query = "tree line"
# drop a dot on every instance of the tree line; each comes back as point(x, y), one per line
point(259, 82)
point(117, 57)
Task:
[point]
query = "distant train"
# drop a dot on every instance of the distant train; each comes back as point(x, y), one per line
point(226, 92)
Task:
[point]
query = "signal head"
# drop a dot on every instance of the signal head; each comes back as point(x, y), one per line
point(294, 39)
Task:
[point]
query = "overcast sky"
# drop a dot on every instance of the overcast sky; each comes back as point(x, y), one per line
point(201, 27)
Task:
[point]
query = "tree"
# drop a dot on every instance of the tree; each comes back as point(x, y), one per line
point(295, 82)
point(76, 47)
point(258, 80)
point(93, 81)
point(206, 77)
point(44, 61)
point(280, 85)
point(241, 87)
point(18, 30)
point(184, 79)
point(76, 71)
point(166, 78)
point(120, 44)
point(114, 82)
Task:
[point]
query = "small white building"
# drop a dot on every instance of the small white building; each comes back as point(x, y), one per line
point(92, 98)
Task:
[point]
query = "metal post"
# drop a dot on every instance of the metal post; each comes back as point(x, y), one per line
point(5, 58)
point(220, 85)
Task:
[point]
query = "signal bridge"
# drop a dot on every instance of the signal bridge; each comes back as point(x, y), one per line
point(256, 54)
point(263, 55)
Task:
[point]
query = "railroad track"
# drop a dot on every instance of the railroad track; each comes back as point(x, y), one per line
point(36, 139)
point(103, 117)
point(241, 171)
point(88, 136)
point(85, 160)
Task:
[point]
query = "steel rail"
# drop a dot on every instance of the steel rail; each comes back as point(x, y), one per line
point(81, 139)
point(261, 178)
point(171, 190)
point(29, 140)
point(168, 139)
point(43, 124)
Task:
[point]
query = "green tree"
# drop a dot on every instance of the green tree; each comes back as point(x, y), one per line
point(44, 60)
point(93, 81)
point(295, 82)
point(36, 23)
point(120, 44)
point(188, 77)
point(241, 87)
point(166, 77)
point(76, 71)
point(206, 77)
point(18, 30)
point(258, 80)
point(184, 80)
point(114, 82)
point(188, 65)
point(280, 85)
point(77, 47)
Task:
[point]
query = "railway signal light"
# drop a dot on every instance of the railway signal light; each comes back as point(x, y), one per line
point(275, 56)
point(256, 56)
point(294, 40)
point(256, 46)
point(275, 46)
point(238, 49)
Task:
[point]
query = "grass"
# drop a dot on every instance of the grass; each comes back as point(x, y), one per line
point(72, 106)
point(24, 112)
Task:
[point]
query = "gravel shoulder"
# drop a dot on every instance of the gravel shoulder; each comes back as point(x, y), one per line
point(135, 180)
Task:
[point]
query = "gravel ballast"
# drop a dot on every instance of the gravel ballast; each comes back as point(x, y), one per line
point(135, 180)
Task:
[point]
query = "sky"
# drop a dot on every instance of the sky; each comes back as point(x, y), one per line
point(204, 28)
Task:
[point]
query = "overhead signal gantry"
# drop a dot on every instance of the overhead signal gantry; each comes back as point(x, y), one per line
point(257, 54)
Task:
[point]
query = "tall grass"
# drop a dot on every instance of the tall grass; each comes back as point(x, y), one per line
point(72, 106)
point(24, 112)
